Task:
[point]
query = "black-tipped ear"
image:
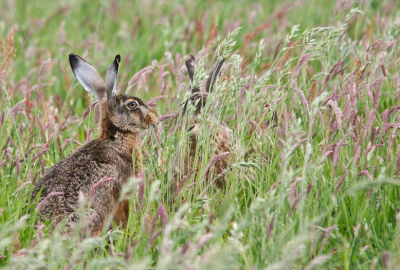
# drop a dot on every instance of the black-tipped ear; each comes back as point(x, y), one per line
point(117, 59)
point(191, 68)
point(74, 61)
point(190, 65)
point(111, 81)
point(87, 75)
point(214, 74)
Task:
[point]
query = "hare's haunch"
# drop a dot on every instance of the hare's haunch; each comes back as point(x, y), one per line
point(100, 168)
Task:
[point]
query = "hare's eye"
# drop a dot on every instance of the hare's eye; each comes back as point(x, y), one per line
point(132, 104)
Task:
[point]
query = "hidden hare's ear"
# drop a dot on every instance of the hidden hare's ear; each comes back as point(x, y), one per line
point(111, 81)
point(190, 65)
point(214, 74)
point(191, 68)
point(198, 98)
point(87, 75)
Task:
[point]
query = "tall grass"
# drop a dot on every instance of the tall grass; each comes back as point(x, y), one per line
point(310, 89)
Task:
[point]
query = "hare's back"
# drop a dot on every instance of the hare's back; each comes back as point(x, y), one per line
point(78, 172)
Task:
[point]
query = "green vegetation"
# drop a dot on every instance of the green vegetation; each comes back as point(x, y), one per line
point(310, 89)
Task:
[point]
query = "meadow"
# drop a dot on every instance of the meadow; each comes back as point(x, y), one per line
point(310, 89)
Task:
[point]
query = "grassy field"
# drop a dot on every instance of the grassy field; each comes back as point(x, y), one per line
point(310, 88)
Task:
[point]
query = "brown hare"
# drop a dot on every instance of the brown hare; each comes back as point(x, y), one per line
point(100, 168)
point(223, 135)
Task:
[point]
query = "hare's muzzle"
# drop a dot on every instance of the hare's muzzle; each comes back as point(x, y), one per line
point(152, 119)
point(150, 116)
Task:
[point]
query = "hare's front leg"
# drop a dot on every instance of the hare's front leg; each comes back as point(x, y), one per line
point(103, 205)
point(122, 215)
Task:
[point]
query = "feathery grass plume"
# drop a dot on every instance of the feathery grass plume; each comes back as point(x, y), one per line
point(318, 261)
point(183, 181)
point(340, 183)
point(292, 34)
point(162, 74)
point(199, 75)
point(213, 161)
point(386, 255)
point(144, 72)
point(168, 116)
point(226, 46)
point(7, 53)
point(141, 191)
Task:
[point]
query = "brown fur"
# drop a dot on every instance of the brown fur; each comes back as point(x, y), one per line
point(108, 156)
point(223, 135)
point(122, 215)
point(222, 143)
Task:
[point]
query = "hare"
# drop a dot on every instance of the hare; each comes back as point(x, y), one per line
point(101, 167)
point(223, 136)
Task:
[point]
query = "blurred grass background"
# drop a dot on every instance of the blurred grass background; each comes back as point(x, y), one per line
point(143, 31)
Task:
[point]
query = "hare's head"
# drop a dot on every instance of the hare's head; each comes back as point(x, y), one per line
point(198, 98)
point(118, 112)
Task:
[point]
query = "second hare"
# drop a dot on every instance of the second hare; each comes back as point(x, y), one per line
point(223, 134)
point(99, 169)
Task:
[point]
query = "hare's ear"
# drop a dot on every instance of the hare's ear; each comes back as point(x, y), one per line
point(191, 68)
point(111, 81)
point(190, 65)
point(87, 75)
point(214, 74)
